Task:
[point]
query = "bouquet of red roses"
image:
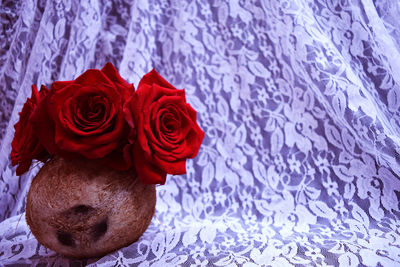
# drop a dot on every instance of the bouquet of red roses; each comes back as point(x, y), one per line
point(96, 135)
point(99, 116)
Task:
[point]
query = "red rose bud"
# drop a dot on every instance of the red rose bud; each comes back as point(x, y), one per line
point(166, 129)
point(26, 146)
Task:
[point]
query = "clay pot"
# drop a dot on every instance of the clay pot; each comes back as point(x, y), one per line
point(82, 209)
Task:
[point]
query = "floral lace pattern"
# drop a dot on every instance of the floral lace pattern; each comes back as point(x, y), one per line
point(300, 103)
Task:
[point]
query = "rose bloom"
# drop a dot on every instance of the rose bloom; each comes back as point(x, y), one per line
point(25, 146)
point(84, 117)
point(165, 127)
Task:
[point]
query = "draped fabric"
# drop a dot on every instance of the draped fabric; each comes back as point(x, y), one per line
point(299, 101)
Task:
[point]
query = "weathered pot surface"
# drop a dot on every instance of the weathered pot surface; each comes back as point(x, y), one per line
point(82, 209)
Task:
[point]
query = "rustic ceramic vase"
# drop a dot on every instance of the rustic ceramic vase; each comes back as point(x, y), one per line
point(81, 209)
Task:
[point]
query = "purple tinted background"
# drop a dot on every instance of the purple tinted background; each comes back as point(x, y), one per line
point(299, 101)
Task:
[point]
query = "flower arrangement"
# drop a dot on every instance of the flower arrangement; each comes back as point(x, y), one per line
point(104, 146)
point(99, 116)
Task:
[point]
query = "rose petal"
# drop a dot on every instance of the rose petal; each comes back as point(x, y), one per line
point(147, 172)
point(70, 143)
point(154, 78)
point(25, 145)
point(43, 124)
point(177, 150)
point(126, 89)
point(93, 76)
point(127, 110)
point(94, 146)
point(118, 158)
point(149, 94)
point(72, 117)
point(138, 114)
point(156, 135)
point(173, 167)
point(58, 85)
point(23, 167)
point(43, 92)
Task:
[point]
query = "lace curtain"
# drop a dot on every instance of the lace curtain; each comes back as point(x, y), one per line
point(299, 101)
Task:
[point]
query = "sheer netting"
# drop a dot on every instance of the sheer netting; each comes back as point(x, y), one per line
point(299, 101)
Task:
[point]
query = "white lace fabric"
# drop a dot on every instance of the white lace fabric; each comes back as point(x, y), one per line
point(299, 101)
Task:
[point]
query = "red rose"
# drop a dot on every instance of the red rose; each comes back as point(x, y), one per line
point(25, 146)
point(85, 117)
point(166, 129)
